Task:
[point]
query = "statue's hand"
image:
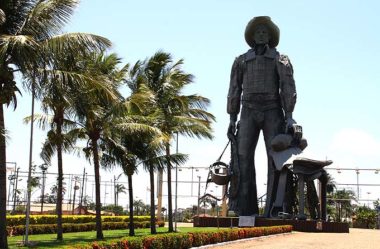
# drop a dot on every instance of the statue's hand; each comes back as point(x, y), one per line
point(289, 123)
point(231, 128)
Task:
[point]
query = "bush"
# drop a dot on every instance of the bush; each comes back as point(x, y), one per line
point(71, 227)
point(187, 240)
point(15, 220)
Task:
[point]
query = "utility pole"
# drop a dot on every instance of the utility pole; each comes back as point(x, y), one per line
point(357, 183)
point(176, 189)
point(81, 195)
point(75, 190)
point(44, 168)
point(15, 191)
point(85, 186)
point(105, 193)
point(114, 190)
point(199, 193)
point(11, 178)
point(29, 187)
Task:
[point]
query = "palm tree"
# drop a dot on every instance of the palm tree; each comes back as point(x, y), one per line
point(119, 188)
point(29, 38)
point(57, 95)
point(177, 113)
point(151, 149)
point(94, 108)
point(342, 200)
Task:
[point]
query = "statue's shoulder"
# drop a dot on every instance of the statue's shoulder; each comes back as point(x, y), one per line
point(241, 59)
point(284, 59)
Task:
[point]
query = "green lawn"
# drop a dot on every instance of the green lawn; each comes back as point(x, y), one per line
point(49, 240)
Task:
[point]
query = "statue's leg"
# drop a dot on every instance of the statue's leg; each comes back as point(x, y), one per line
point(323, 179)
point(249, 132)
point(273, 125)
point(312, 200)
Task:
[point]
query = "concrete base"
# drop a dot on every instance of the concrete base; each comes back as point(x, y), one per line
point(246, 221)
point(298, 225)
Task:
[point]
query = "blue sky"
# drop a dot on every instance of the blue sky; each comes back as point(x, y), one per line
point(333, 46)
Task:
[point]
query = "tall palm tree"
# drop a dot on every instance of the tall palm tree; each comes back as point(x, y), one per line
point(93, 109)
point(57, 96)
point(176, 112)
point(125, 146)
point(29, 38)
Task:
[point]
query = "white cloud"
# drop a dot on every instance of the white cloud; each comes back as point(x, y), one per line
point(355, 142)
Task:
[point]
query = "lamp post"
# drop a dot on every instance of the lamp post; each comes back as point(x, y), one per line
point(176, 188)
point(199, 193)
point(357, 183)
point(368, 193)
point(44, 168)
point(11, 178)
point(81, 194)
point(15, 191)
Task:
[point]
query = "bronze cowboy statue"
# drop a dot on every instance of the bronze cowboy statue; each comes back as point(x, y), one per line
point(262, 90)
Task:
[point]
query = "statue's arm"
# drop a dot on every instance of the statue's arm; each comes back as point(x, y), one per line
point(288, 91)
point(234, 93)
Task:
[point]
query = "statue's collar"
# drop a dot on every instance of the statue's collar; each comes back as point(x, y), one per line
point(269, 53)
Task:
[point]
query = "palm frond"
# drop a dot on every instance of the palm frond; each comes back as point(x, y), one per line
point(48, 17)
point(48, 150)
point(22, 49)
point(3, 17)
point(9, 92)
point(137, 128)
point(73, 43)
point(161, 162)
point(4, 133)
point(42, 119)
point(195, 128)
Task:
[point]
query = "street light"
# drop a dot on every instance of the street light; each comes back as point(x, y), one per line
point(176, 188)
point(199, 193)
point(357, 183)
point(44, 168)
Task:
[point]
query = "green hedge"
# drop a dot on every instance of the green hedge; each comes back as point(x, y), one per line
point(71, 227)
point(15, 220)
point(187, 240)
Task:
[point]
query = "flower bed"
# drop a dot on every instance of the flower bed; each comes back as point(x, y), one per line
point(186, 240)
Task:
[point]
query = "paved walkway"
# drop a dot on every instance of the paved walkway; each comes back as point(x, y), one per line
point(356, 239)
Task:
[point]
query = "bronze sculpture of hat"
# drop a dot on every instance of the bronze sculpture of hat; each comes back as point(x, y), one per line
point(273, 30)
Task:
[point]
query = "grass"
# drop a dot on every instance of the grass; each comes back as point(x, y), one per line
point(49, 240)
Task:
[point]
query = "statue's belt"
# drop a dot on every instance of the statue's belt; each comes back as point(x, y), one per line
point(265, 106)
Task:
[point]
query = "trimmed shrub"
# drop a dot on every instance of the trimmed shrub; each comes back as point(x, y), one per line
point(15, 220)
point(71, 227)
point(186, 240)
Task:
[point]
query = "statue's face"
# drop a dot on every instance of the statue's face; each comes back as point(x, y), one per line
point(261, 35)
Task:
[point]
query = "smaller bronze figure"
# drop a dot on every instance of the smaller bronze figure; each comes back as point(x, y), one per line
point(262, 85)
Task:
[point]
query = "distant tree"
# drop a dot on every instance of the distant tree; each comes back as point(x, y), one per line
point(366, 217)
point(117, 210)
point(340, 204)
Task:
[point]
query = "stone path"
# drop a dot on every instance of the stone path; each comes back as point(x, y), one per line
point(356, 239)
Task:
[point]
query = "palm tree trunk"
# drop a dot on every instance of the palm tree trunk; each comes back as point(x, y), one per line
point(60, 183)
point(152, 213)
point(3, 183)
point(159, 193)
point(170, 206)
point(130, 192)
point(99, 231)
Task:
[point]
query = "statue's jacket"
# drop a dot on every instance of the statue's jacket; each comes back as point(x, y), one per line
point(262, 82)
